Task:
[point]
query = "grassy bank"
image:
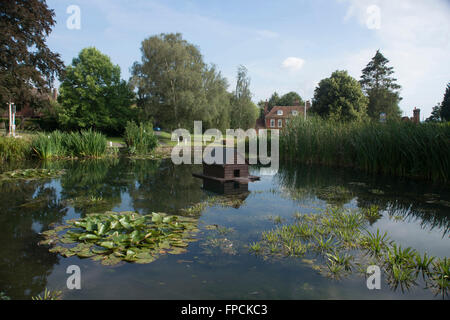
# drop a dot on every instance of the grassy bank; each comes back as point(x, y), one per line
point(398, 148)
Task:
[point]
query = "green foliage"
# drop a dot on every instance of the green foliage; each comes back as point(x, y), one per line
point(339, 238)
point(340, 98)
point(243, 111)
point(380, 88)
point(12, 149)
point(92, 95)
point(140, 140)
point(26, 63)
point(435, 114)
point(57, 144)
point(113, 237)
point(395, 148)
point(30, 174)
point(48, 295)
point(175, 86)
point(445, 105)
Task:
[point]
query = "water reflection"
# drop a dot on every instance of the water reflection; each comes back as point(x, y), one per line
point(27, 208)
point(409, 199)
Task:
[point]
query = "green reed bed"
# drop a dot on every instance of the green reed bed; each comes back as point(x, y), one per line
point(56, 144)
point(12, 149)
point(140, 140)
point(395, 148)
point(340, 244)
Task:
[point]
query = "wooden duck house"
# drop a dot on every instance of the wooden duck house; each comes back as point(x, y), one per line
point(229, 166)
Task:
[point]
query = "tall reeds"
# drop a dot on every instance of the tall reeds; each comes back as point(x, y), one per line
point(395, 148)
point(140, 140)
point(12, 149)
point(58, 144)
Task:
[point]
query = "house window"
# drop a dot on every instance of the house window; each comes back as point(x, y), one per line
point(272, 123)
point(280, 123)
point(280, 112)
point(294, 112)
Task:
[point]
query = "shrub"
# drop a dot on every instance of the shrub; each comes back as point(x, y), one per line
point(140, 139)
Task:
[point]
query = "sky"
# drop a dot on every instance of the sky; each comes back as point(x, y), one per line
point(285, 45)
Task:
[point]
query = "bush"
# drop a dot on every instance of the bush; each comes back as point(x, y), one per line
point(140, 139)
point(395, 148)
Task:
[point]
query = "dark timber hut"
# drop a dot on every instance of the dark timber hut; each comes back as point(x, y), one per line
point(229, 166)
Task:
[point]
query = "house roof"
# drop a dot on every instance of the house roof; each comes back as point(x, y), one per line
point(287, 111)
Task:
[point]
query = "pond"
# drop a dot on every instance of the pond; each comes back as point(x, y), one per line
point(219, 264)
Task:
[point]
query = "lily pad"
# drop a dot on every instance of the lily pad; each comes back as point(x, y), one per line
point(113, 237)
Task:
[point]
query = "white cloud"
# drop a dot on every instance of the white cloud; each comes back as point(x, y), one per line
point(415, 36)
point(293, 63)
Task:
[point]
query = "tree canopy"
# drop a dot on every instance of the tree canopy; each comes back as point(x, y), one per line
point(339, 97)
point(92, 94)
point(445, 105)
point(176, 87)
point(381, 88)
point(27, 65)
point(243, 111)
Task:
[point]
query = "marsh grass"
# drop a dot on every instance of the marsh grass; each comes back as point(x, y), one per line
point(394, 148)
point(140, 140)
point(12, 149)
point(57, 144)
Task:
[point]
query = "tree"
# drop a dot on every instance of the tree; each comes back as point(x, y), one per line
point(445, 105)
point(380, 87)
point(176, 87)
point(243, 111)
point(273, 101)
point(290, 99)
point(92, 95)
point(27, 66)
point(339, 97)
point(435, 114)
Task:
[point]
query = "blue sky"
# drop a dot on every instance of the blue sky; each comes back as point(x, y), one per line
point(285, 45)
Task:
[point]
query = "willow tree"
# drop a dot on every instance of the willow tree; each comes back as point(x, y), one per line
point(174, 85)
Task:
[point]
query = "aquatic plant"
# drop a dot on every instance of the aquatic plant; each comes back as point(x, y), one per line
point(113, 237)
point(341, 239)
point(31, 174)
point(439, 279)
point(394, 148)
point(12, 149)
point(140, 140)
point(375, 243)
point(255, 247)
point(48, 295)
point(3, 296)
point(87, 143)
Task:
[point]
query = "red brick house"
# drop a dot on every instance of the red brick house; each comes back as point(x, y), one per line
point(279, 115)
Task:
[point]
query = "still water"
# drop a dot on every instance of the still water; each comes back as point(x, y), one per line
point(217, 266)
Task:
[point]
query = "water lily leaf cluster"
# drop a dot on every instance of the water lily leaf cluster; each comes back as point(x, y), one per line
point(113, 237)
point(31, 174)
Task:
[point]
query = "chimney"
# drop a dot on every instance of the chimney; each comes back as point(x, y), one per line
point(266, 107)
point(296, 103)
point(416, 115)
